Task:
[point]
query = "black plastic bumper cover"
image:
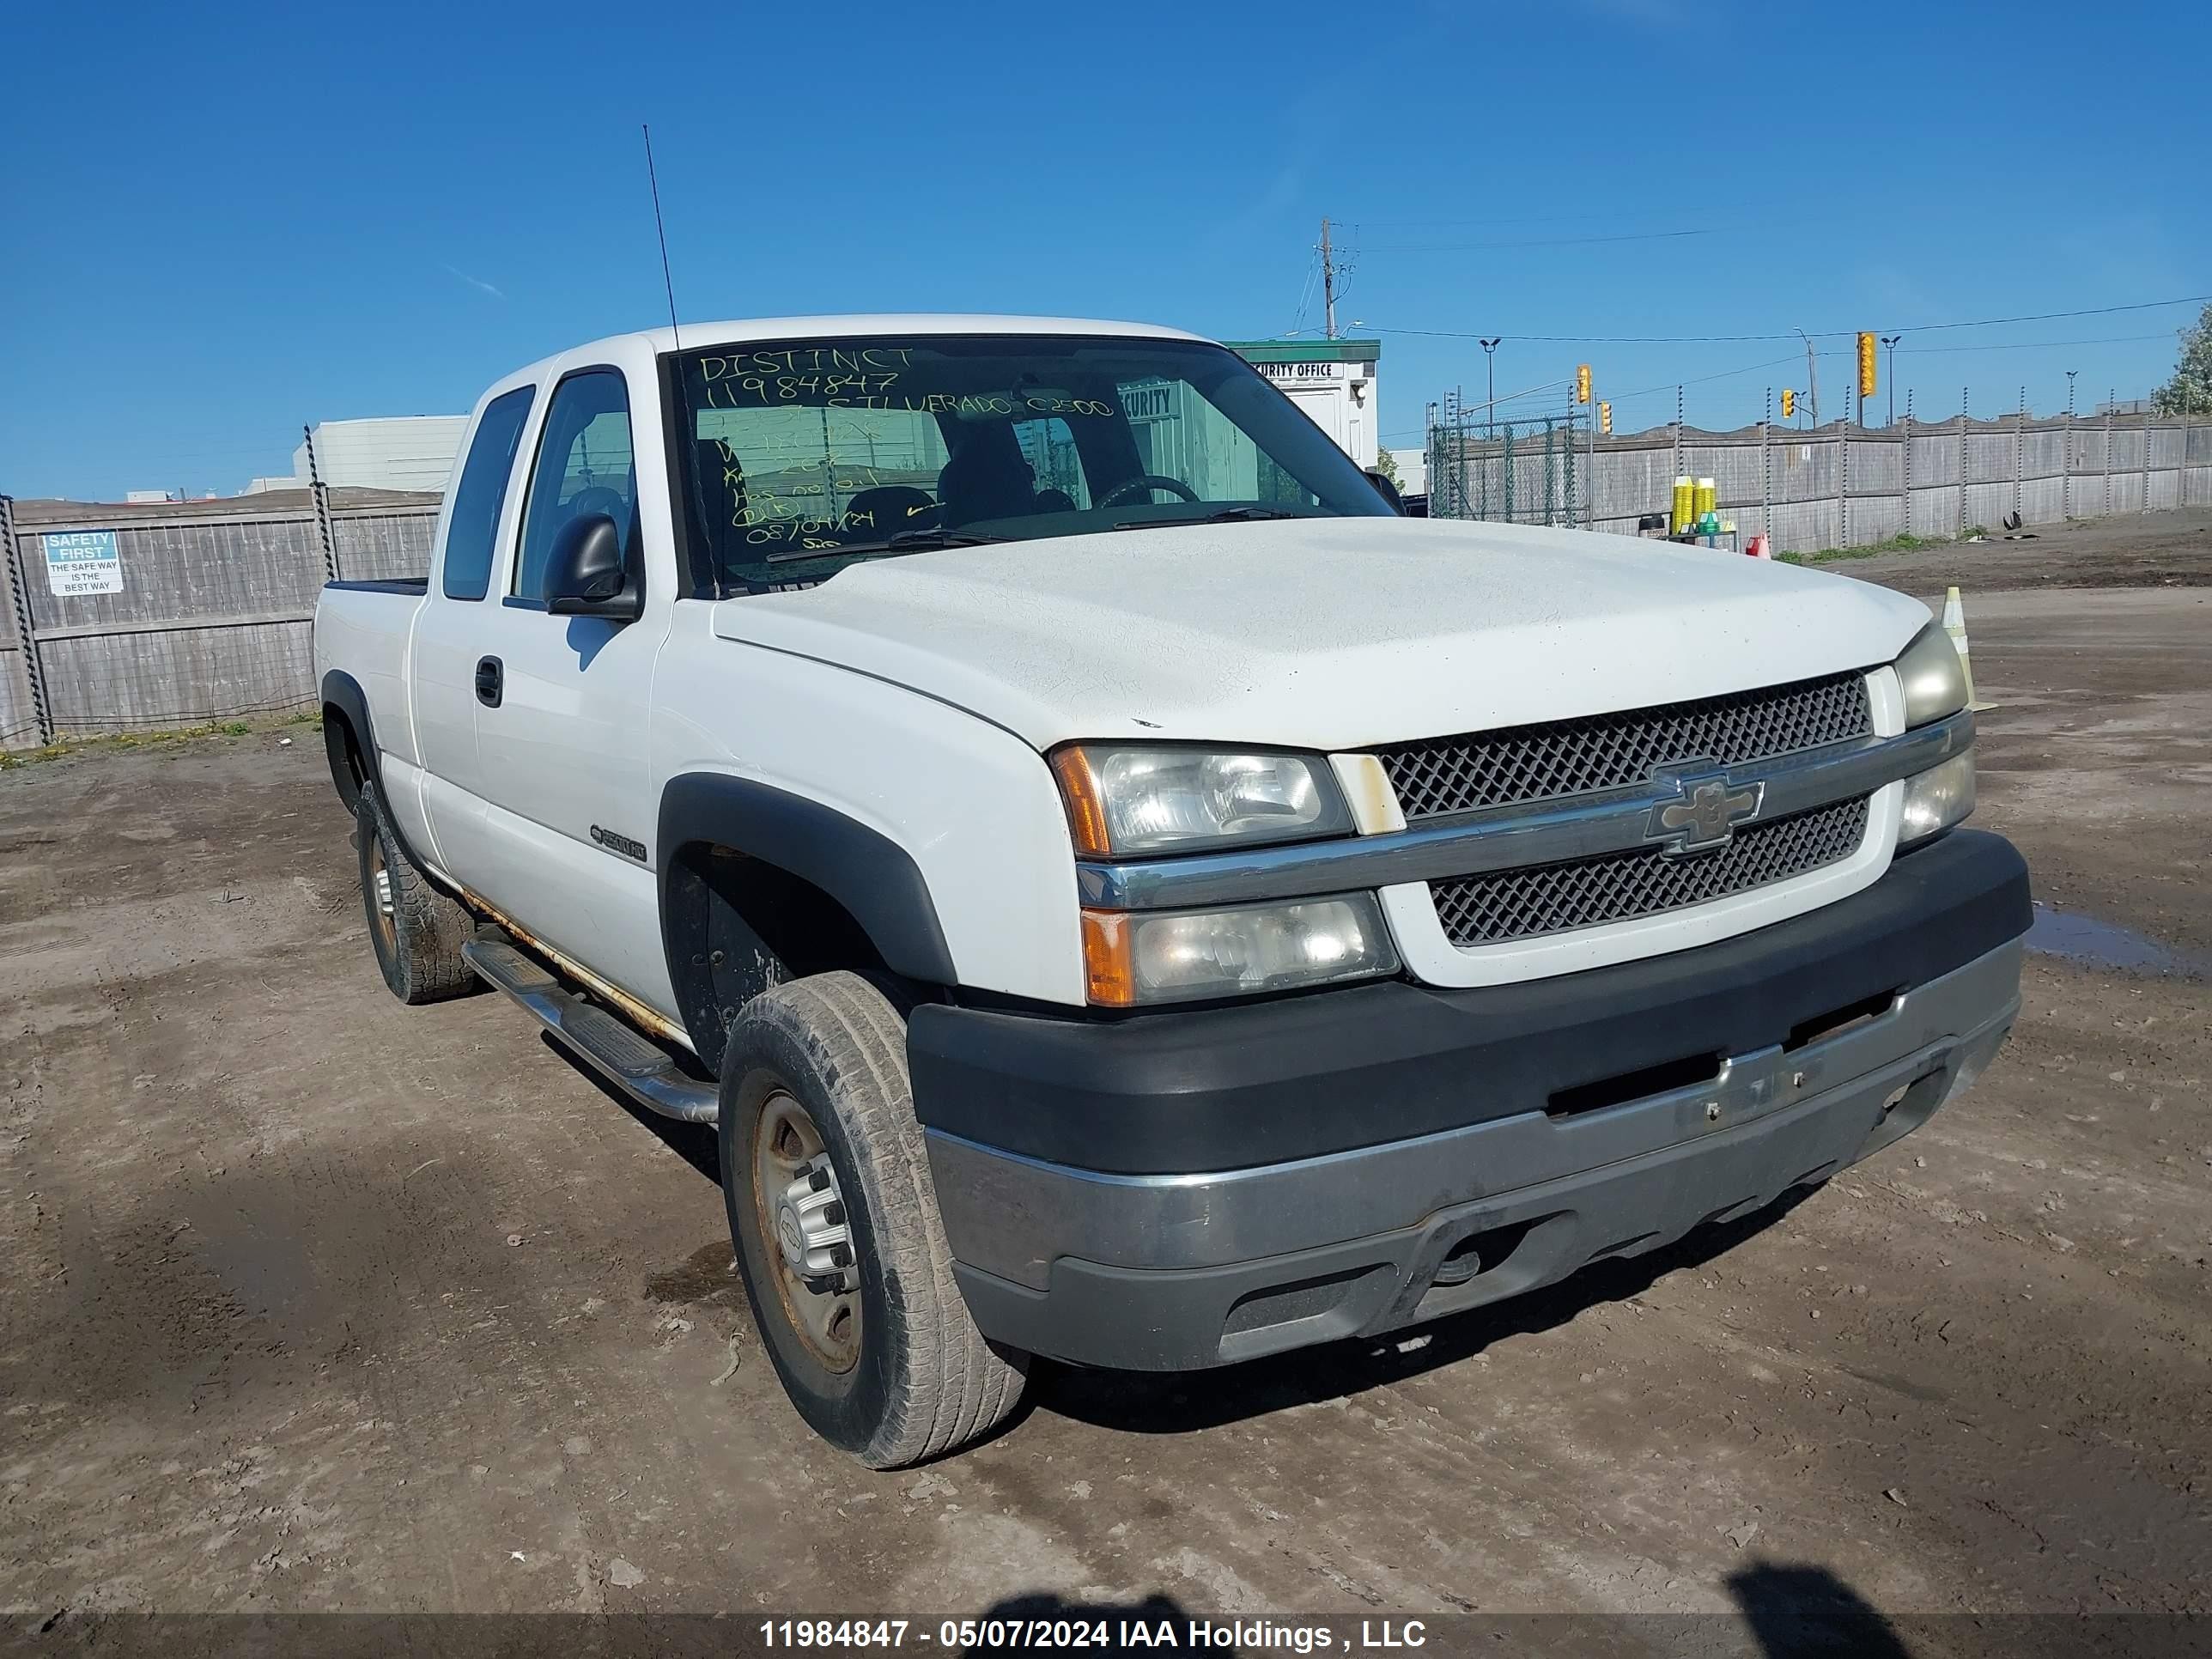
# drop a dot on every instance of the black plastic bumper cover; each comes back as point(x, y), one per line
point(1266, 1083)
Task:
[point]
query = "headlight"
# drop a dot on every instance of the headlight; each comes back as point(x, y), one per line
point(1131, 957)
point(1938, 798)
point(1934, 680)
point(1123, 801)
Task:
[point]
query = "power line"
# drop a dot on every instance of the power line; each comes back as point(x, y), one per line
point(2041, 345)
point(1724, 375)
point(1358, 225)
point(1549, 241)
point(1598, 339)
point(2042, 317)
point(1795, 357)
point(1305, 295)
point(1727, 339)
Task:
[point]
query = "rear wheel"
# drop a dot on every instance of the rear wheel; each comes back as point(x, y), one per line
point(417, 931)
point(837, 1231)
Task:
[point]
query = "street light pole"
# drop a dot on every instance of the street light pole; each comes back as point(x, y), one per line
point(1490, 352)
point(1890, 341)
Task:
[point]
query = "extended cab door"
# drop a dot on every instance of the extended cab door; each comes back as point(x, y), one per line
point(444, 650)
point(561, 705)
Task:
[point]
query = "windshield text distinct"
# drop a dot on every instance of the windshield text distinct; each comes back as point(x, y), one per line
point(806, 457)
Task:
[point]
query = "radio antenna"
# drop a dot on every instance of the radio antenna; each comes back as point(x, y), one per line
point(667, 281)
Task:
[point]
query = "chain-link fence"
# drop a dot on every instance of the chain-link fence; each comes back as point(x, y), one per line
point(1523, 469)
point(1833, 486)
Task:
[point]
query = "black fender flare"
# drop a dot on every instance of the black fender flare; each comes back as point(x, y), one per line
point(342, 692)
point(873, 877)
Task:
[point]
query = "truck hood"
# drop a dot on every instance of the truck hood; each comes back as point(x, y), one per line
point(1324, 632)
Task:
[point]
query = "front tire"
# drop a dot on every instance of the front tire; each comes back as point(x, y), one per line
point(417, 931)
point(835, 1219)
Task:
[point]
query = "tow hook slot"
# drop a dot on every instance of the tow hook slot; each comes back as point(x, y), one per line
point(1479, 1253)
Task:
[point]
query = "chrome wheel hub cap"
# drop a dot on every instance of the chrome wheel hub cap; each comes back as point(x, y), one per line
point(810, 1229)
point(815, 1267)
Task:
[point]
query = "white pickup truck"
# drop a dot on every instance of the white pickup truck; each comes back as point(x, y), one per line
point(1123, 893)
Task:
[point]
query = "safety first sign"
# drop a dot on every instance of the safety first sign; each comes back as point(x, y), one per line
point(81, 561)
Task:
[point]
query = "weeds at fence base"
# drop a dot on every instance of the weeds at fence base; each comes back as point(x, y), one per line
point(1894, 544)
point(171, 738)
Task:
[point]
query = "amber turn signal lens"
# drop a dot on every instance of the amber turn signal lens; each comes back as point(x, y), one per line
point(1108, 963)
point(1079, 791)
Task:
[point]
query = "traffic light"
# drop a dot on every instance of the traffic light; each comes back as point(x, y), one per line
point(1605, 419)
point(1581, 381)
point(1866, 367)
point(1789, 404)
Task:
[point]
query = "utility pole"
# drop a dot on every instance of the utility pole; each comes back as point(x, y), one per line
point(1327, 282)
point(1812, 378)
point(1890, 341)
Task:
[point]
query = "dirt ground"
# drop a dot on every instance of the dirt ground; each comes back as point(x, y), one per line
point(2149, 550)
point(317, 1301)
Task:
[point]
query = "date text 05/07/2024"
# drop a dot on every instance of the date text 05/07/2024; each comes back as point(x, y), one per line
point(1091, 1630)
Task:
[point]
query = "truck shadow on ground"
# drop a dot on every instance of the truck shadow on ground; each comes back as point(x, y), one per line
point(1802, 1609)
point(1791, 1609)
point(1140, 1402)
point(695, 1144)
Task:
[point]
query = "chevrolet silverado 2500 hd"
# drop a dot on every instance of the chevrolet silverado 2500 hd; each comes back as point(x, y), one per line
point(1120, 891)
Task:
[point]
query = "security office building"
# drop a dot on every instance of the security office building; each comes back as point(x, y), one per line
point(1332, 380)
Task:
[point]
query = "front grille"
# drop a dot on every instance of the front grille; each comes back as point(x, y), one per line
point(1558, 898)
point(1444, 776)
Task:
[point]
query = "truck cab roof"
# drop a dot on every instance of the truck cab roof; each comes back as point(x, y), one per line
point(693, 336)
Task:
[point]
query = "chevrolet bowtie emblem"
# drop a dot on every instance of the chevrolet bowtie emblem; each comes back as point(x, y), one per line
point(1704, 817)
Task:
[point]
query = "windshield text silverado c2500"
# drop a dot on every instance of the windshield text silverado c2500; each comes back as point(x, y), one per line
point(1121, 891)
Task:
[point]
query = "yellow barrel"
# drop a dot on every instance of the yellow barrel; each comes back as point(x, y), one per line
point(1685, 515)
point(1701, 502)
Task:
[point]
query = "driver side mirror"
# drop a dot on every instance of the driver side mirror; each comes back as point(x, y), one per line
point(1387, 491)
point(586, 574)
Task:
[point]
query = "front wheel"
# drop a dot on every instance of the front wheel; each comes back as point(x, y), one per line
point(838, 1232)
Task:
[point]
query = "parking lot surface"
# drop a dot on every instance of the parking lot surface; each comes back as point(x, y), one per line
point(317, 1301)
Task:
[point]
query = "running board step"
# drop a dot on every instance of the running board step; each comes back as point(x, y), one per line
point(635, 1064)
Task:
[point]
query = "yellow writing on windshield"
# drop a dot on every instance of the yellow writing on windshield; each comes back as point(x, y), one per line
point(807, 360)
point(868, 378)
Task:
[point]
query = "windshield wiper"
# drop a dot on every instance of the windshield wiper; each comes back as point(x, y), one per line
point(907, 541)
point(1226, 515)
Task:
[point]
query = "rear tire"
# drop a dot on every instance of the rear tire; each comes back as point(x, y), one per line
point(850, 1281)
point(417, 931)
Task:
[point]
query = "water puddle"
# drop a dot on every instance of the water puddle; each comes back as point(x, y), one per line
point(2093, 944)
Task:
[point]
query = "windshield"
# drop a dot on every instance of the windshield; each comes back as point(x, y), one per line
point(807, 456)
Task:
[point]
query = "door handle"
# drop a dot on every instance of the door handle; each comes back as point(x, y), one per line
point(490, 681)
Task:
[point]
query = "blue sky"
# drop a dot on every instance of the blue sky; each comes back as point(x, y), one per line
point(223, 226)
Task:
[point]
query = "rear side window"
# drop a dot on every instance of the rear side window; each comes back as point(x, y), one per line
point(482, 493)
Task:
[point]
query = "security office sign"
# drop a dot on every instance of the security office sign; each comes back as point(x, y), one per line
point(81, 561)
